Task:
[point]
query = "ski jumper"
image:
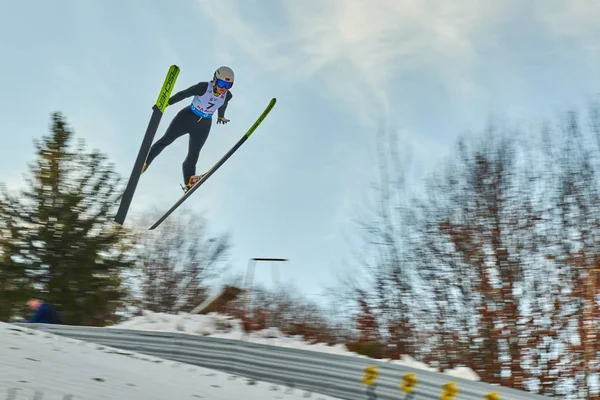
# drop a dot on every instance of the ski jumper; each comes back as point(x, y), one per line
point(195, 120)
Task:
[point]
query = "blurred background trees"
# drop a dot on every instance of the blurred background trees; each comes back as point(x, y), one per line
point(491, 264)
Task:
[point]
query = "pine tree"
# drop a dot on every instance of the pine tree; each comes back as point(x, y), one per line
point(14, 285)
point(59, 230)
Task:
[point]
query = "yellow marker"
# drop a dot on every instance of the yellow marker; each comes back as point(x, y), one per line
point(492, 396)
point(370, 375)
point(408, 382)
point(449, 391)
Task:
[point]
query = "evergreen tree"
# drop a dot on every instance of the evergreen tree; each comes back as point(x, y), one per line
point(14, 285)
point(59, 234)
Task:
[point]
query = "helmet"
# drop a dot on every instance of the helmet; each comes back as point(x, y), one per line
point(223, 77)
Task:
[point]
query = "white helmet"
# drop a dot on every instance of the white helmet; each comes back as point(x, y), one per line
point(224, 74)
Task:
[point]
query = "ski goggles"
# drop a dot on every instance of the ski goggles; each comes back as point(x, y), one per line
point(224, 84)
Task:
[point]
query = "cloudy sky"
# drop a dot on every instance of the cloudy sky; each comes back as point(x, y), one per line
point(341, 70)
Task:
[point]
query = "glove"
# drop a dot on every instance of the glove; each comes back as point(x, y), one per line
point(222, 120)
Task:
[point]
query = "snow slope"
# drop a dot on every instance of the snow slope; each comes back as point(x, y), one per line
point(222, 326)
point(62, 368)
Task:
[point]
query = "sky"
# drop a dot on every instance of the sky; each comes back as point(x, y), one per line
point(343, 71)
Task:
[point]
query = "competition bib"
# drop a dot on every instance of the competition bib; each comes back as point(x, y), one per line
point(205, 105)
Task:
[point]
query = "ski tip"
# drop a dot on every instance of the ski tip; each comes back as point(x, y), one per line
point(271, 103)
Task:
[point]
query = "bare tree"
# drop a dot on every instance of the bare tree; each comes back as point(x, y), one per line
point(572, 232)
point(385, 289)
point(176, 262)
point(287, 309)
point(504, 240)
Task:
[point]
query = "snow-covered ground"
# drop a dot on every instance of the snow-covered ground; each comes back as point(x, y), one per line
point(61, 368)
point(222, 326)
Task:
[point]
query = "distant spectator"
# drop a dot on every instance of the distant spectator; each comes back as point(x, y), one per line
point(43, 312)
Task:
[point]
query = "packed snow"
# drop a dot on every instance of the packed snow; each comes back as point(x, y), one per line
point(36, 364)
point(223, 326)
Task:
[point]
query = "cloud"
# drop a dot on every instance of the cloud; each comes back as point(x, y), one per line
point(358, 46)
point(352, 44)
point(575, 17)
point(426, 68)
point(576, 20)
point(234, 26)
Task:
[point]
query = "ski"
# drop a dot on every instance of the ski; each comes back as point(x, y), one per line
point(218, 164)
point(157, 112)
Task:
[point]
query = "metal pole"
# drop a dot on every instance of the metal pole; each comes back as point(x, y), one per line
point(250, 275)
point(252, 266)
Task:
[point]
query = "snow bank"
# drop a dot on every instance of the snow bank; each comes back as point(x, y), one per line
point(61, 368)
point(222, 326)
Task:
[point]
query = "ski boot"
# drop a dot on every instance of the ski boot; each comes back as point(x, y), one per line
point(193, 180)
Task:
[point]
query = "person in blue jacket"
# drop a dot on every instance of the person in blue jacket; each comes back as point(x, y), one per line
point(43, 312)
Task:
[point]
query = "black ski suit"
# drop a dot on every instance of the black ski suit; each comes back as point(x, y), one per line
point(187, 122)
